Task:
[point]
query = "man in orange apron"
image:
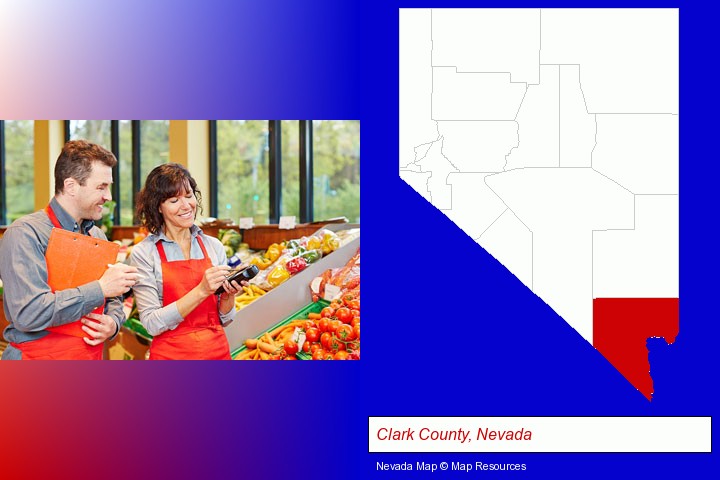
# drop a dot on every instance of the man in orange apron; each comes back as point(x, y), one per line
point(47, 321)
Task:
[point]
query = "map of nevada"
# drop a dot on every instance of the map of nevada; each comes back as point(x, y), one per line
point(551, 138)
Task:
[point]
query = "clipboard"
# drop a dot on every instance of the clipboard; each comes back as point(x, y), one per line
point(73, 260)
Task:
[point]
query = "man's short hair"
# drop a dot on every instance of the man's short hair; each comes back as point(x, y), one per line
point(76, 159)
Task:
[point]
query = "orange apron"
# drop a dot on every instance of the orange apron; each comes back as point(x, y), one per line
point(66, 341)
point(200, 336)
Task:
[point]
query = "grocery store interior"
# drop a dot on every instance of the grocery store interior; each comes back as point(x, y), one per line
point(282, 196)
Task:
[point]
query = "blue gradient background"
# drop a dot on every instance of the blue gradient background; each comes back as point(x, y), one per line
point(474, 342)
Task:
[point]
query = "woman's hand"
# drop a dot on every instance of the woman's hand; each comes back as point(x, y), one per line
point(232, 289)
point(227, 299)
point(213, 278)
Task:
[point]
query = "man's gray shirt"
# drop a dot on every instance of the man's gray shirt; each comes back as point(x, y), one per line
point(29, 303)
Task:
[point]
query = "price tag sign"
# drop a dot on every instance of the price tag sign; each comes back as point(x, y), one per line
point(315, 285)
point(331, 291)
point(287, 223)
point(298, 336)
point(246, 223)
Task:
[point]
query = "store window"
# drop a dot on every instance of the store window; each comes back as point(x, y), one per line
point(290, 168)
point(336, 169)
point(141, 145)
point(242, 170)
point(125, 168)
point(95, 131)
point(16, 169)
point(154, 145)
point(326, 150)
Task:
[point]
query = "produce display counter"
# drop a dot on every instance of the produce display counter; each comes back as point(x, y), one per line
point(134, 325)
point(289, 296)
point(257, 238)
point(127, 345)
point(301, 314)
point(288, 301)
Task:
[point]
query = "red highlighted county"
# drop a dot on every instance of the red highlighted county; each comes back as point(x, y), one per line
point(621, 327)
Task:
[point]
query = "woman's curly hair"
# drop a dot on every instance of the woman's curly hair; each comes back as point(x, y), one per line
point(163, 182)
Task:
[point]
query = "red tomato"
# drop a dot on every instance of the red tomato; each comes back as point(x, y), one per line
point(356, 331)
point(328, 356)
point(343, 314)
point(355, 321)
point(318, 355)
point(327, 312)
point(356, 313)
point(312, 335)
point(306, 347)
point(314, 347)
point(291, 357)
point(334, 324)
point(323, 324)
point(353, 305)
point(336, 345)
point(291, 348)
point(308, 324)
point(341, 355)
point(325, 340)
point(344, 332)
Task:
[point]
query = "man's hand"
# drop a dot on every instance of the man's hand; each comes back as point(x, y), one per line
point(118, 279)
point(98, 327)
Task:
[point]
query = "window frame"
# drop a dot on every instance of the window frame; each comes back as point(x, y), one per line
point(306, 172)
point(3, 176)
point(306, 166)
point(274, 170)
point(135, 163)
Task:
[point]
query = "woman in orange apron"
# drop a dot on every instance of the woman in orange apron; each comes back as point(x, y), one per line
point(181, 268)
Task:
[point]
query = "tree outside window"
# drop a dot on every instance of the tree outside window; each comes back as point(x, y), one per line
point(242, 170)
point(95, 131)
point(125, 167)
point(336, 169)
point(290, 168)
point(154, 145)
point(19, 168)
